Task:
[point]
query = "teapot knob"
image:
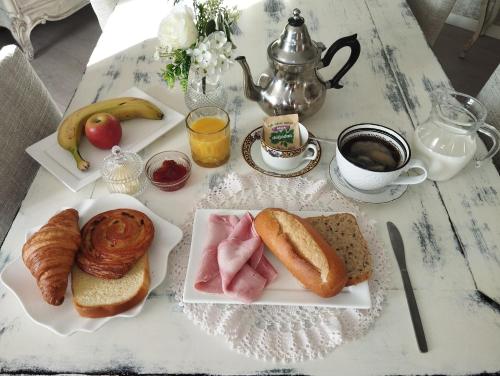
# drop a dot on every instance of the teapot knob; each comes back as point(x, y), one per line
point(297, 19)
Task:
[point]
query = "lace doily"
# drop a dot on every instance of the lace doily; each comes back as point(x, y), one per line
point(280, 333)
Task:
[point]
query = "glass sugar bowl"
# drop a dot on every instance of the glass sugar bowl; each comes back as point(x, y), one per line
point(447, 141)
point(123, 172)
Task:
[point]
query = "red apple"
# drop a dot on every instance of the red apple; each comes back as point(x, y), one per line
point(103, 130)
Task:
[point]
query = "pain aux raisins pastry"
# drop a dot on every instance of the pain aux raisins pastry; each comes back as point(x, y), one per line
point(113, 241)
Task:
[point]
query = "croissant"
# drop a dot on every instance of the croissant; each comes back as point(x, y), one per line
point(113, 241)
point(50, 253)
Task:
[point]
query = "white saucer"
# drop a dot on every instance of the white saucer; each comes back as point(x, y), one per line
point(253, 156)
point(387, 194)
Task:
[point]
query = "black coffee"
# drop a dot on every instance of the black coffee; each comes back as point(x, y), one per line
point(371, 153)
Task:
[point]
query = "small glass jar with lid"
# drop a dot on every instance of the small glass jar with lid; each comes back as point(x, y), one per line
point(123, 172)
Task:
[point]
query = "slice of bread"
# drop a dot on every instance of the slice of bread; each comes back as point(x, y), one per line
point(98, 297)
point(341, 232)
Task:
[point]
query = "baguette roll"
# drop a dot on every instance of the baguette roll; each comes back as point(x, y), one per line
point(302, 250)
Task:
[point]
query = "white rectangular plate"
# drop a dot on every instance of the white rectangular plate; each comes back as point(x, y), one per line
point(64, 319)
point(136, 135)
point(284, 290)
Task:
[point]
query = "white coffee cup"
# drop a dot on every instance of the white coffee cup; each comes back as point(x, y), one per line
point(284, 160)
point(359, 175)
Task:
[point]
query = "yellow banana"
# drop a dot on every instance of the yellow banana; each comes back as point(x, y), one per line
point(125, 108)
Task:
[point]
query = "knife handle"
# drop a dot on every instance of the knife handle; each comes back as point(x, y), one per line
point(415, 315)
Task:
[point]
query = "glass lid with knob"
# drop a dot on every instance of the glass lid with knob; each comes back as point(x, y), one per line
point(123, 172)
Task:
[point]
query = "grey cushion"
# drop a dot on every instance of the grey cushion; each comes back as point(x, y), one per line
point(27, 114)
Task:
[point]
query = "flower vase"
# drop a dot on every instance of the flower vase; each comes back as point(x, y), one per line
point(204, 91)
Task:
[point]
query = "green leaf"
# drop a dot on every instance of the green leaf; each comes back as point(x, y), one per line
point(227, 30)
point(184, 83)
point(220, 22)
point(178, 70)
point(210, 27)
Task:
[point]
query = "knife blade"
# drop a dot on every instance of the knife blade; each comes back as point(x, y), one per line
point(399, 251)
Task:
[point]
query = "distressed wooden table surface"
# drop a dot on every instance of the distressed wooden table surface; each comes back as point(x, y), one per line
point(450, 229)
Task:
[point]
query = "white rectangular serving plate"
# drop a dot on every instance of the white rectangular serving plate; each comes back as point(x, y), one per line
point(136, 135)
point(284, 290)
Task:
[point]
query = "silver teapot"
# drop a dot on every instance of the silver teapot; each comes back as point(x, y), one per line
point(292, 84)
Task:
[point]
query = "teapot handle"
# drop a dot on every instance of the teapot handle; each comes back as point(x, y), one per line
point(350, 41)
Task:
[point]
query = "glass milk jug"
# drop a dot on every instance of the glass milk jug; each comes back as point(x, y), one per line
point(446, 142)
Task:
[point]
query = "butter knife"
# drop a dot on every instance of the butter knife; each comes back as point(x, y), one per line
point(399, 251)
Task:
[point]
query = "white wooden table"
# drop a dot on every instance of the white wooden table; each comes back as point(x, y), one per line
point(450, 229)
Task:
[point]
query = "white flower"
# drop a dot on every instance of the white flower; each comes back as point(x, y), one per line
point(212, 55)
point(227, 48)
point(156, 55)
point(224, 63)
point(178, 30)
point(217, 39)
point(201, 55)
point(206, 59)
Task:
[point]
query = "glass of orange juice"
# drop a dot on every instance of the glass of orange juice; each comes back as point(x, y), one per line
point(209, 136)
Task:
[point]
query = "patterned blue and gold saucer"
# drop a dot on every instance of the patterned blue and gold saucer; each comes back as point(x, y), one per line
point(253, 156)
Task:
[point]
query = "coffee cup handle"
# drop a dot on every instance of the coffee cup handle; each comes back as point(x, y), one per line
point(314, 152)
point(407, 180)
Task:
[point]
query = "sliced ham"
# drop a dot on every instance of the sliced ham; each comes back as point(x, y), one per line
point(219, 228)
point(233, 260)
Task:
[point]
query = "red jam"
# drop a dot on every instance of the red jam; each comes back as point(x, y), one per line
point(170, 172)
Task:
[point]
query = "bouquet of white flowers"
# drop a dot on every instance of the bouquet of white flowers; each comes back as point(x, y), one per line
point(197, 38)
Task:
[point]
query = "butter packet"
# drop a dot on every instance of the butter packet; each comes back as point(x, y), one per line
point(282, 132)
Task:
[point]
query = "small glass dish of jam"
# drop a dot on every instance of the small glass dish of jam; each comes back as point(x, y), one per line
point(168, 170)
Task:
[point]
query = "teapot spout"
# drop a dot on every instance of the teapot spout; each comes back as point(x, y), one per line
point(252, 91)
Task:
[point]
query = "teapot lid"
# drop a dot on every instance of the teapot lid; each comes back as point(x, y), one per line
point(294, 45)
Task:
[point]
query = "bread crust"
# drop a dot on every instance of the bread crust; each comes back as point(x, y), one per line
point(269, 229)
point(117, 308)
